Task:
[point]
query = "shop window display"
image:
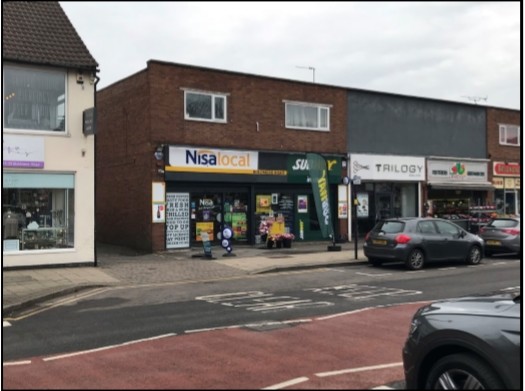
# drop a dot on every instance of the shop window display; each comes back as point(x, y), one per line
point(274, 215)
point(37, 219)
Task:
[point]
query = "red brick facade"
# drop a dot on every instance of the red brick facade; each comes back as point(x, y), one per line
point(138, 113)
point(497, 152)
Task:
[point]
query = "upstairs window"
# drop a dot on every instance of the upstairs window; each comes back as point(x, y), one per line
point(34, 99)
point(307, 116)
point(509, 135)
point(204, 106)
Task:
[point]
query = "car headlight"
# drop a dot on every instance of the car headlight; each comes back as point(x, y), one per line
point(414, 325)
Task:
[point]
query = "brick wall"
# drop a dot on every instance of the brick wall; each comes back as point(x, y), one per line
point(251, 100)
point(138, 113)
point(497, 152)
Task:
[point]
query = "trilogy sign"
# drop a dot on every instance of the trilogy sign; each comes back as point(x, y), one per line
point(382, 167)
point(212, 160)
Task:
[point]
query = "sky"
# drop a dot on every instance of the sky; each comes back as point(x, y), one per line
point(456, 51)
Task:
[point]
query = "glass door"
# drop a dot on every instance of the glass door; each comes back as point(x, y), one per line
point(236, 214)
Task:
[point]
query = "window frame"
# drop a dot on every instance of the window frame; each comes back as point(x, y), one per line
point(319, 106)
point(63, 102)
point(503, 138)
point(213, 96)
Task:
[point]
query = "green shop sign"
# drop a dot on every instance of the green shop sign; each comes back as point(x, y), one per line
point(298, 169)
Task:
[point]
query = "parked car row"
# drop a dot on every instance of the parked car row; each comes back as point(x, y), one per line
point(418, 240)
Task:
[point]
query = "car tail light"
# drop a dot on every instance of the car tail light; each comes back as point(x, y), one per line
point(511, 231)
point(367, 236)
point(403, 239)
point(481, 230)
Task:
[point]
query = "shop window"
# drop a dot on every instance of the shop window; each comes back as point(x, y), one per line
point(37, 218)
point(205, 106)
point(274, 213)
point(307, 116)
point(509, 135)
point(34, 99)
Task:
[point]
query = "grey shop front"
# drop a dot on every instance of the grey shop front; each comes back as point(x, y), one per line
point(208, 189)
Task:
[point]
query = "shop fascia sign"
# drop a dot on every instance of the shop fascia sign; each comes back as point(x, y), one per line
point(387, 167)
point(506, 169)
point(299, 170)
point(22, 152)
point(457, 171)
point(212, 160)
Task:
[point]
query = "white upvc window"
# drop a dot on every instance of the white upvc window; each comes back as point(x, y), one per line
point(509, 135)
point(205, 106)
point(34, 99)
point(308, 116)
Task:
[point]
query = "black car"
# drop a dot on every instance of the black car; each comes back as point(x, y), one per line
point(417, 240)
point(502, 235)
point(467, 343)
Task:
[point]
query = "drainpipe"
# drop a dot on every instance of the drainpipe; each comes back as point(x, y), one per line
point(97, 79)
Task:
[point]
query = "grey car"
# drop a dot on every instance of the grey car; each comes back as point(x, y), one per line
point(418, 240)
point(466, 343)
point(502, 235)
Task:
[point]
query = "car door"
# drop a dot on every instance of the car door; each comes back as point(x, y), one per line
point(454, 244)
point(431, 241)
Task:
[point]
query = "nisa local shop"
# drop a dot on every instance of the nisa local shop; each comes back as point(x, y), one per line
point(208, 189)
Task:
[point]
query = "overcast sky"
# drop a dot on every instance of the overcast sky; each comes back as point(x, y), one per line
point(457, 51)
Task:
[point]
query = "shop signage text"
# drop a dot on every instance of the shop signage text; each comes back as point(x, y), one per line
point(212, 160)
point(455, 171)
point(22, 152)
point(507, 169)
point(385, 167)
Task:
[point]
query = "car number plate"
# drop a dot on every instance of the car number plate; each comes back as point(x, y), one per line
point(493, 242)
point(379, 242)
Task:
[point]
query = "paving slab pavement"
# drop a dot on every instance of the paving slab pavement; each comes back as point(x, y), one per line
point(119, 266)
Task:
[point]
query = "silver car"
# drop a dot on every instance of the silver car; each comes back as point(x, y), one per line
point(470, 343)
point(502, 235)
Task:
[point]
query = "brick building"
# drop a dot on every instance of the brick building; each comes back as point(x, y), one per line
point(504, 152)
point(183, 150)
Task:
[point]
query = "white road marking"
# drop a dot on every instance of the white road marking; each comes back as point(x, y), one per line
point(362, 369)
point(448, 268)
point(65, 301)
point(8, 364)
point(374, 274)
point(107, 347)
point(5, 323)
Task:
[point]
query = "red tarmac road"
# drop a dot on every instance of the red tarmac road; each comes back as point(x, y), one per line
point(364, 346)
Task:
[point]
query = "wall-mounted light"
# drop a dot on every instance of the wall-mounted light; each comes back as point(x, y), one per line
point(80, 77)
point(159, 152)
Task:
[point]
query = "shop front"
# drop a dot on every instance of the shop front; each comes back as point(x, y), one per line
point(390, 186)
point(506, 178)
point(248, 191)
point(41, 224)
point(457, 188)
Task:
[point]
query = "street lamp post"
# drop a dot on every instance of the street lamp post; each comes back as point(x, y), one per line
point(356, 181)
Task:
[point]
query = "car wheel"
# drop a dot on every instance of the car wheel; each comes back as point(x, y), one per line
point(474, 255)
point(416, 259)
point(462, 372)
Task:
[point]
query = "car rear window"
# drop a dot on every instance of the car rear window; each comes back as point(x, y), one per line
point(390, 227)
point(504, 223)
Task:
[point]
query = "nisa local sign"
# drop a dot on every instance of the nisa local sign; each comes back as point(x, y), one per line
point(188, 159)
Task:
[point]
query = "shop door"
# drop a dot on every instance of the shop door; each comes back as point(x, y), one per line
point(383, 206)
point(236, 215)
